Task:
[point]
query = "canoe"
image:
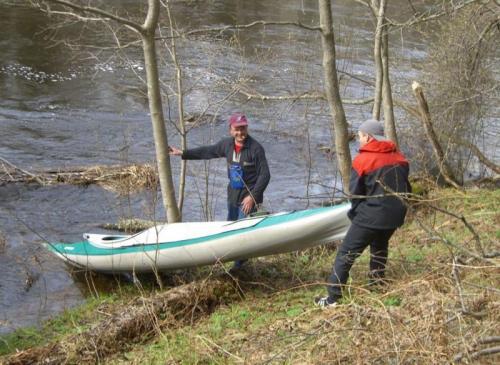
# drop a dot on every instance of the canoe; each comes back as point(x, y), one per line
point(183, 245)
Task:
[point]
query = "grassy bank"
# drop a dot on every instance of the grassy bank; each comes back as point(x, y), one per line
point(441, 304)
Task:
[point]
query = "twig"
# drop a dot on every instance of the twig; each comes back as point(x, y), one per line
point(456, 276)
point(101, 13)
point(480, 156)
point(429, 15)
point(476, 354)
point(208, 341)
point(467, 225)
point(495, 290)
point(35, 177)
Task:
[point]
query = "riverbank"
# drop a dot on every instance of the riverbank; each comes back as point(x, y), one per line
point(442, 304)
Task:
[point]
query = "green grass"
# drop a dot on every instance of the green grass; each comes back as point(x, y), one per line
point(23, 338)
point(70, 321)
point(276, 322)
point(392, 301)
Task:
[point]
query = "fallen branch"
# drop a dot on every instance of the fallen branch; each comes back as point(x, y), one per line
point(250, 25)
point(304, 96)
point(476, 354)
point(117, 178)
point(477, 240)
point(14, 170)
point(425, 117)
point(136, 322)
point(480, 156)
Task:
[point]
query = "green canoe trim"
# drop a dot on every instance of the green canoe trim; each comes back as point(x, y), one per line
point(87, 249)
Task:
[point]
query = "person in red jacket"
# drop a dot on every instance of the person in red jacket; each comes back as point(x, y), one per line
point(379, 173)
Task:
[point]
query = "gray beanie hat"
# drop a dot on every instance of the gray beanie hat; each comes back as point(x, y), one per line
point(374, 128)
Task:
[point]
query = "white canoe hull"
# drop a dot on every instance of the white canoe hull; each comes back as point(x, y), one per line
point(226, 241)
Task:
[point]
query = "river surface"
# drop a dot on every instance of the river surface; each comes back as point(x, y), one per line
point(61, 108)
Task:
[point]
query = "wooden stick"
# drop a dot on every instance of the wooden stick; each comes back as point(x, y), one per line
point(425, 117)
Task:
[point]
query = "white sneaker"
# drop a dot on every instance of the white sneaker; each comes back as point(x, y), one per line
point(325, 302)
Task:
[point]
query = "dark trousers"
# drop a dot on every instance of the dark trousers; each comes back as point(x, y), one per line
point(355, 242)
point(235, 213)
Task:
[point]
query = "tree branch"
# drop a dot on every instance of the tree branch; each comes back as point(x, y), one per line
point(249, 25)
point(425, 117)
point(95, 11)
point(428, 15)
point(477, 152)
point(314, 95)
point(31, 176)
point(466, 224)
point(152, 16)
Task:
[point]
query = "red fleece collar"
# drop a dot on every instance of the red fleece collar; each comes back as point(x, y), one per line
point(379, 146)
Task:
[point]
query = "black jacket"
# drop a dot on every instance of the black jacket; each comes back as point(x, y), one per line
point(252, 160)
point(378, 171)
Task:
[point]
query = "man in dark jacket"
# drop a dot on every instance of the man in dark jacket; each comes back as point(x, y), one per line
point(379, 172)
point(247, 167)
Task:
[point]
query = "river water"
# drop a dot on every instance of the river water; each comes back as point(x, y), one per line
point(61, 108)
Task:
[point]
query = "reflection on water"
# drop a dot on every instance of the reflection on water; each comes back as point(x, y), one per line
point(60, 109)
point(30, 74)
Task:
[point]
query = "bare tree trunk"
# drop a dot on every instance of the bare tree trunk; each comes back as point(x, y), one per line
point(333, 94)
point(180, 108)
point(377, 56)
point(156, 111)
point(147, 32)
point(425, 116)
point(383, 91)
point(388, 104)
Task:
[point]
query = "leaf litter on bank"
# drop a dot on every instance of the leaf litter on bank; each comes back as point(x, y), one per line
point(417, 318)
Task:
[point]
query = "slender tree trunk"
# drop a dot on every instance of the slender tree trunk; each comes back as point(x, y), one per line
point(340, 129)
point(182, 177)
point(388, 104)
point(425, 116)
point(180, 108)
point(156, 111)
point(377, 56)
point(147, 32)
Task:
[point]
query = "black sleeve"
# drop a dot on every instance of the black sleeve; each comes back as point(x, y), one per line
point(263, 175)
point(205, 152)
point(408, 184)
point(356, 187)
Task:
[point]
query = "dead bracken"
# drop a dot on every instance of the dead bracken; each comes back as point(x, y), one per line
point(122, 179)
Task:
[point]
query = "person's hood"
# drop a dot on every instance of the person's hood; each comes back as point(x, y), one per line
point(379, 146)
